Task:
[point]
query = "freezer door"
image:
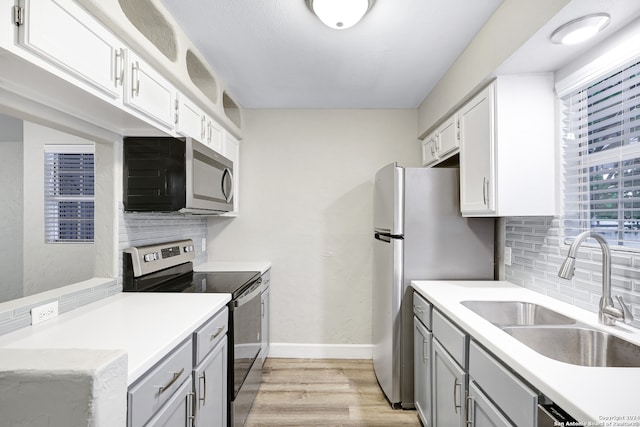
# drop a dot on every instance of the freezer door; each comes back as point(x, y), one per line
point(386, 322)
point(388, 200)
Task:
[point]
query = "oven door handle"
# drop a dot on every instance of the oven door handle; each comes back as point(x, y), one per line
point(251, 293)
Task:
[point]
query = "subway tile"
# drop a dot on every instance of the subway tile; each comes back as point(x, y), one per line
point(15, 323)
point(21, 311)
point(522, 261)
point(539, 250)
point(560, 296)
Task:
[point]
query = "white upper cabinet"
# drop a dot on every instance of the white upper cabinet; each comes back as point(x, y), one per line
point(191, 120)
point(448, 137)
point(63, 34)
point(214, 136)
point(429, 151)
point(507, 149)
point(149, 93)
point(443, 143)
point(477, 171)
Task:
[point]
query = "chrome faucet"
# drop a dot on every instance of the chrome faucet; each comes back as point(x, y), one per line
point(608, 313)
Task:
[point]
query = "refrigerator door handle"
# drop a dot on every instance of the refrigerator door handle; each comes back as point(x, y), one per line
point(386, 237)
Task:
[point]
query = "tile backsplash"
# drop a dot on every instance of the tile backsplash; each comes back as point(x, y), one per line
point(139, 229)
point(538, 250)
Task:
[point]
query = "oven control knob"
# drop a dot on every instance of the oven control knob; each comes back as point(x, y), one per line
point(188, 248)
point(150, 257)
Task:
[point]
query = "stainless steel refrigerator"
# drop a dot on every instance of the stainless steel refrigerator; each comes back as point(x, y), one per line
point(419, 234)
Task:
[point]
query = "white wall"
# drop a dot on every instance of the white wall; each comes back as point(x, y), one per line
point(11, 203)
point(47, 266)
point(306, 194)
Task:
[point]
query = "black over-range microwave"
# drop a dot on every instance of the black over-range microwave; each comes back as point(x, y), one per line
point(163, 174)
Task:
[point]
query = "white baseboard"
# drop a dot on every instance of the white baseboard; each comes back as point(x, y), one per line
point(321, 351)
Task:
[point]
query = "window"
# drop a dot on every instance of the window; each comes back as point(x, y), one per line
point(602, 157)
point(69, 193)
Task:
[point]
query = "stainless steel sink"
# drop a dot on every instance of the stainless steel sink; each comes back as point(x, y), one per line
point(518, 313)
point(578, 345)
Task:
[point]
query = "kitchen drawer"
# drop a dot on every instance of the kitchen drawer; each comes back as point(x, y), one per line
point(422, 310)
point(451, 337)
point(209, 334)
point(511, 395)
point(153, 390)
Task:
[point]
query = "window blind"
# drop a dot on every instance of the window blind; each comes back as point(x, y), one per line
point(69, 193)
point(601, 132)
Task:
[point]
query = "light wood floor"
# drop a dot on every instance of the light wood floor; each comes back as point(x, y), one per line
point(323, 392)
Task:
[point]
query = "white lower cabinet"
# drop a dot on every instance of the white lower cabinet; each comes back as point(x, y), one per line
point(148, 397)
point(264, 311)
point(210, 397)
point(511, 396)
point(188, 387)
point(459, 383)
point(422, 371)
point(449, 389)
point(177, 411)
point(481, 412)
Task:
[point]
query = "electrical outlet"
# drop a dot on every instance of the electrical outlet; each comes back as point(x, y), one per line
point(204, 245)
point(44, 312)
point(507, 255)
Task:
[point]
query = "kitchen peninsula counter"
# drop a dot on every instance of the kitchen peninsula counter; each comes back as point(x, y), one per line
point(144, 325)
point(589, 394)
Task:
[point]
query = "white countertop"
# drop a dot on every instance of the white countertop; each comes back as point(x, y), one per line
point(261, 266)
point(587, 393)
point(145, 325)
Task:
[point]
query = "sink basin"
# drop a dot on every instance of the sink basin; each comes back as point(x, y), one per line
point(516, 313)
point(578, 345)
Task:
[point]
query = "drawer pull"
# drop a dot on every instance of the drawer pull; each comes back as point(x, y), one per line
point(216, 334)
point(176, 375)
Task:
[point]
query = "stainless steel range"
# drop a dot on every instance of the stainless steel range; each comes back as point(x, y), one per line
point(168, 267)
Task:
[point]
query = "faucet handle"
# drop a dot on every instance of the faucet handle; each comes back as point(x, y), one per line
point(627, 316)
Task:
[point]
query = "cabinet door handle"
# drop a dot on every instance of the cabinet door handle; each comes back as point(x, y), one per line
point(425, 351)
point(203, 394)
point(175, 377)
point(203, 126)
point(119, 67)
point(471, 414)
point(456, 384)
point(485, 187)
point(191, 410)
point(135, 77)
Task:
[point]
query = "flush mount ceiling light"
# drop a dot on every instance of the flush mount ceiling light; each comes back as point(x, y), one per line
point(580, 29)
point(340, 14)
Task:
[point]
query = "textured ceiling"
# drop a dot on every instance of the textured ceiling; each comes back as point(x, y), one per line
point(277, 54)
